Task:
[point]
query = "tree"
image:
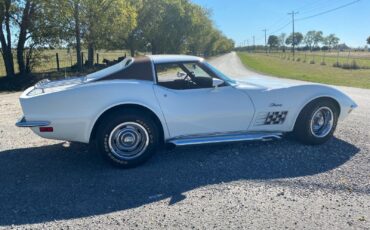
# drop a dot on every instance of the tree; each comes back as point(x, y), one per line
point(5, 36)
point(67, 19)
point(317, 38)
point(201, 28)
point(331, 41)
point(273, 41)
point(298, 37)
point(164, 26)
point(94, 16)
point(368, 40)
point(25, 23)
point(75, 6)
point(309, 39)
point(112, 30)
point(133, 38)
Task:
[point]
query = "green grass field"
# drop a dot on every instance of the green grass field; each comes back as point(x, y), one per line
point(285, 67)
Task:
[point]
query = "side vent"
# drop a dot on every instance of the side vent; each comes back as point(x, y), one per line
point(271, 118)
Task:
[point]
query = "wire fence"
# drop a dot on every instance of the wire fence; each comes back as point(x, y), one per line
point(340, 59)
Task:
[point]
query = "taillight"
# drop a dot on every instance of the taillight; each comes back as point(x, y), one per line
point(46, 129)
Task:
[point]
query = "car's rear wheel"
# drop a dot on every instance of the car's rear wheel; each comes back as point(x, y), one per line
point(317, 122)
point(127, 138)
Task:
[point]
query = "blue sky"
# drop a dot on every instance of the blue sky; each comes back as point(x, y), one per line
point(241, 19)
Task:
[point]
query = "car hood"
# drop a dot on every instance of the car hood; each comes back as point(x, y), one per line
point(265, 83)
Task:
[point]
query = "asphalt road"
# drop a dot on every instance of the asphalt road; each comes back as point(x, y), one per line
point(280, 184)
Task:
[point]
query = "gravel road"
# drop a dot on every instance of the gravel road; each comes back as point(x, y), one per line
point(281, 184)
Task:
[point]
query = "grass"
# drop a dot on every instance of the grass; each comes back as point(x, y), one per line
point(278, 66)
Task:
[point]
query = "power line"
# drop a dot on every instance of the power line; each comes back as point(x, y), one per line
point(281, 28)
point(318, 6)
point(328, 11)
point(278, 23)
point(307, 8)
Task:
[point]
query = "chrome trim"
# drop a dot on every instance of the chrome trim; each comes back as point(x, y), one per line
point(221, 138)
point(322, 122)
point(128, 140)
point(23, 123)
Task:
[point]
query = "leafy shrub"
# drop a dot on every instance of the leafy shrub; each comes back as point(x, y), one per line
point(353, 65)
point(322, 63)
point(312, 62)
point(298, 59)
point(337, 65)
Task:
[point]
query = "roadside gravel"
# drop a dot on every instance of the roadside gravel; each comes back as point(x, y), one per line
point(281, 184)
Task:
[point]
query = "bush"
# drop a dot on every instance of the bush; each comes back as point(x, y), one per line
point(353, 65)
point(298, 59)
point(312, 62)
point(322, 63)
point(337, 65)
point(346, 66)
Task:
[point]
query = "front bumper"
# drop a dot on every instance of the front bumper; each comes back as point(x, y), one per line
point(22, 122)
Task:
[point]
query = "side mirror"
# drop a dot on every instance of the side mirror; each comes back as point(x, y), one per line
point(217, 82)
point(181, 74)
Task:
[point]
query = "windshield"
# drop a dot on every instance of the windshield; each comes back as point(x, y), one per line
point(220, 74)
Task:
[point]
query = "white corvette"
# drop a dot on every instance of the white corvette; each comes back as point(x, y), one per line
point(132, 108)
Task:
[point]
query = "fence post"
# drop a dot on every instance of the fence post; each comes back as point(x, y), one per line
point(57, 56)
point(97, 58)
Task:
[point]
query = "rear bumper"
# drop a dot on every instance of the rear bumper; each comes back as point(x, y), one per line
point(23, 123)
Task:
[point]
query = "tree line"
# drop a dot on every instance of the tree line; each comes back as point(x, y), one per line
point(157, 26)
point(313, 40)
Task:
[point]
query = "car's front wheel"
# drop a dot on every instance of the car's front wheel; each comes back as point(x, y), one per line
point(317, 122)
point(127, 138)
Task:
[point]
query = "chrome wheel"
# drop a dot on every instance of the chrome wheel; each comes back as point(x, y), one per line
point(322, 122)
point(128, 140)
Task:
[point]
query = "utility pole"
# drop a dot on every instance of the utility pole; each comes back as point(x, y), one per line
point(293, 39)
point(265, 30)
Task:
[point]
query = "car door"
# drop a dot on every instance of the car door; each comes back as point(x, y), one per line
point(202, 110)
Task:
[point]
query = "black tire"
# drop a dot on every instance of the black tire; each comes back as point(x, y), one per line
point(142, 125)
point(302, 129)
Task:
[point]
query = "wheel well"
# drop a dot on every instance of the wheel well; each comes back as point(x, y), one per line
point(335, 102)
point(130, 107)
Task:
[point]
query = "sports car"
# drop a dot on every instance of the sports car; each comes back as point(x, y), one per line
point(135, 107)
